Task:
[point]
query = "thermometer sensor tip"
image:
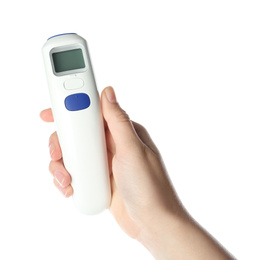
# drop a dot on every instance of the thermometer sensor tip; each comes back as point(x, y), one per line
point(59, 35)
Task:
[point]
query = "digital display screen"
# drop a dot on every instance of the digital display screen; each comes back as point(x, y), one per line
point(68, 60)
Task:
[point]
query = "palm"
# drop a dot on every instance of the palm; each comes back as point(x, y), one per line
point(117, 207)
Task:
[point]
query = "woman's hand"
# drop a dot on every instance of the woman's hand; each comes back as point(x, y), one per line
point(144, 202)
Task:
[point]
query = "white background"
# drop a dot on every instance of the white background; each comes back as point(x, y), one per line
point(192, 72)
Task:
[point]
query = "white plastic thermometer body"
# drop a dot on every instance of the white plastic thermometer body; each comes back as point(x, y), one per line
point(78, 117)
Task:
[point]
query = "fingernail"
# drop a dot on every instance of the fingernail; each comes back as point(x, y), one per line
point(51, 149)
point(63, 191)
point(110, 95)
point(66, 193)
point(60, 177)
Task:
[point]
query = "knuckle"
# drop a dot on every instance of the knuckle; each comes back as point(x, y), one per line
point(122, 116)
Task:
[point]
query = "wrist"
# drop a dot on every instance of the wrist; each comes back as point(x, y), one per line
point(178, 236)
point(160, 235)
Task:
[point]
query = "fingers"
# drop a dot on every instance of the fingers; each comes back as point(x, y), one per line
point(66, 191)
point(46, 115)
point(54, 147)
point(60, 173)
point(62, 179)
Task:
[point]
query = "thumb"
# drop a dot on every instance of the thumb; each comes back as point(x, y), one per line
point(119, 123)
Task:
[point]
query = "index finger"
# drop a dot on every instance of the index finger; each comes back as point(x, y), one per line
point(47, 115)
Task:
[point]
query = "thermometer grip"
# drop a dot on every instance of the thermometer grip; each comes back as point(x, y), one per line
point(82, 141)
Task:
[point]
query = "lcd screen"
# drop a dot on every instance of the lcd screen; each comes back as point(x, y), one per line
point(68, 60)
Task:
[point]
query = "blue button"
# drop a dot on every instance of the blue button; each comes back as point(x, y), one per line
point(77, 102)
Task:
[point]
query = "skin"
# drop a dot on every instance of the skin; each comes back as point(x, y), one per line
point(144, 202)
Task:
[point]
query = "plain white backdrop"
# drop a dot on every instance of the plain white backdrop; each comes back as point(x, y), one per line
point(192, 72)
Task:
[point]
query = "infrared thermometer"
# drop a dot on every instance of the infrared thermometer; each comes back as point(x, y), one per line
point(77, 114)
